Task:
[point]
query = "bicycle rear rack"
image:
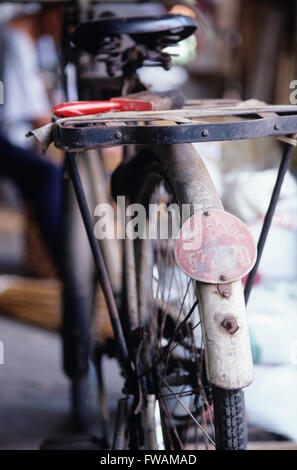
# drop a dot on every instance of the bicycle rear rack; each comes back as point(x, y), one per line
point(199, 121)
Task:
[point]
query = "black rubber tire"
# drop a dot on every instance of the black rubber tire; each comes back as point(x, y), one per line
point(230, 421)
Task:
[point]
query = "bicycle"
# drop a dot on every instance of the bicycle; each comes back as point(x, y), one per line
point(174, 376)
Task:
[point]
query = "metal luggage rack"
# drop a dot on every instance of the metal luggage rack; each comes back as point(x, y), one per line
point(198, 121)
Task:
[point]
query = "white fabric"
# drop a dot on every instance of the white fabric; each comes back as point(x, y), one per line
point(25, 97)
point(271, 400)
point(158, 79)
point(9, 11)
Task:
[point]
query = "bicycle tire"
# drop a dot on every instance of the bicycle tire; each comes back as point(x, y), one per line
point(230, 421)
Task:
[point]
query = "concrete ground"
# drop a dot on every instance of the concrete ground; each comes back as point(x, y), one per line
point(34, 401)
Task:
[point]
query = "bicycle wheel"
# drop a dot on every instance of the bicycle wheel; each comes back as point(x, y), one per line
point(182, 410)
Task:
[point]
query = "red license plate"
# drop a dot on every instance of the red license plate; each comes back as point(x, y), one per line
point(215, 247)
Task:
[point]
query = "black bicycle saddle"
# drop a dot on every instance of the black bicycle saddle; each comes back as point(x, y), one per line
point(146, 30)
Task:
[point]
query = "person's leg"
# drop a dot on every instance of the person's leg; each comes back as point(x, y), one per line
point(40, 182)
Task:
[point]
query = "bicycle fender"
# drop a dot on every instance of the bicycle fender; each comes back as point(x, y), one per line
point(229, 363)
point(222, 309)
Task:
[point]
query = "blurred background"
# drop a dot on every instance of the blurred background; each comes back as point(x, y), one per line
point(244, 49)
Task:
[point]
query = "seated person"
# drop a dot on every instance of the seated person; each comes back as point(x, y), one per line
point(26, 105)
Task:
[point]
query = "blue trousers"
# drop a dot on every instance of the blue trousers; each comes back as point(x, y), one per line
point(40, 182)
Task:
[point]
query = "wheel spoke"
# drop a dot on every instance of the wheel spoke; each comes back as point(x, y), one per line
point(171, 318)
point(189, 412)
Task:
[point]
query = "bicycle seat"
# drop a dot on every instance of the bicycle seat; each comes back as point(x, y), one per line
point(146, 30)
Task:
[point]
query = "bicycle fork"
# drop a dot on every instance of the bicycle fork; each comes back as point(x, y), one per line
point(225, 332)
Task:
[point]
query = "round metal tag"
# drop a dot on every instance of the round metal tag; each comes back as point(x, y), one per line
point(215, 247)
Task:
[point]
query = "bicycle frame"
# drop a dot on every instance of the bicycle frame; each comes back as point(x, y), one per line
point(228, 356)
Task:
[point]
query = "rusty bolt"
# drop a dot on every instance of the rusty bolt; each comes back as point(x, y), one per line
point(225, 290)
point(223, 277)
point(118, 135)
point(230, 323)
point(204, 132)
point(206, 213)
point(226, 294)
